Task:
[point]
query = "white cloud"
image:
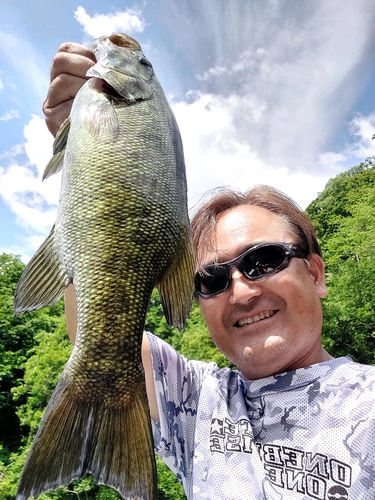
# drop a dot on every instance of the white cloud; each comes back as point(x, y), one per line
point(215, 155)
point(32, 201)
point(38, 145)
point(362, 128)
point(305, 65)
point(10, 115)
point(128, 21)
point(246, 61)
point(331, 161)
point(359, 147)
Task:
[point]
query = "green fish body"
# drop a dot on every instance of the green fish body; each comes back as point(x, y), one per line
point(122, 228)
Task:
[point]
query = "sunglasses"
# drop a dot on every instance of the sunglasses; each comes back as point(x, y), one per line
point(258, 262)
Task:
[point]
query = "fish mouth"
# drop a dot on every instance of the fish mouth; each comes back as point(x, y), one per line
point(101, 85)
point(256, 318)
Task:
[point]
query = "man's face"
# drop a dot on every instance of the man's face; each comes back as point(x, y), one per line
point(272, 325)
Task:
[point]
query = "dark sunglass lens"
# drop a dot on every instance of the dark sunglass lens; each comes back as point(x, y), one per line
point(213, 281)
point(263, 260)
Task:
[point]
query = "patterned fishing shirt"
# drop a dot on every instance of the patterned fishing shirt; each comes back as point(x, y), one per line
point(303, 434)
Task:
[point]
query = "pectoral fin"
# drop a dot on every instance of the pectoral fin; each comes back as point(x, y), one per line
point(102, 122)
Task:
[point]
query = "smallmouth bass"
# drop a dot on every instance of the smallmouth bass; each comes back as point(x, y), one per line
point(122, 228)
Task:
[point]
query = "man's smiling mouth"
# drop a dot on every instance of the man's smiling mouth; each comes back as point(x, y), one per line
point(256, 318)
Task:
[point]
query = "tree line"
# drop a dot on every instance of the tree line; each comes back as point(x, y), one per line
point(34, 347)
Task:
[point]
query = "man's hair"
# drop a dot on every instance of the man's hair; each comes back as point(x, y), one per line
point(204, 222)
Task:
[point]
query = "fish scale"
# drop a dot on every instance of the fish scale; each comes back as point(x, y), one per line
point(122, 228)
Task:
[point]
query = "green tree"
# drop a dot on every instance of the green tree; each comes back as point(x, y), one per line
point(20, 336)
point(169, 488)
point(41, 373)
point(17, 338)
point(344, 215)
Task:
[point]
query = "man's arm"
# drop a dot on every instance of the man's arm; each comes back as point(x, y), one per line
point(71, 322)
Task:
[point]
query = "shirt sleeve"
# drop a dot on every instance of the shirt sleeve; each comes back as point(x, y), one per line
point(177, 384)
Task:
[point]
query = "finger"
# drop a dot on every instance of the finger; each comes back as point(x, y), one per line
point(56, 116)
point(76, 48)
point(62, 88)
point(59, 100)
point(68, 74)
point(72, 63)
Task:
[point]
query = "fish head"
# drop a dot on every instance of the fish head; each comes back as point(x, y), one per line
point(122, 70)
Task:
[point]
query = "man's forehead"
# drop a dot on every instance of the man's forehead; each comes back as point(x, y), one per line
point(245, 220)
point(244, 226)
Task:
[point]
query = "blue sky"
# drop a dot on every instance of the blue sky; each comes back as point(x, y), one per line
point(265, 92)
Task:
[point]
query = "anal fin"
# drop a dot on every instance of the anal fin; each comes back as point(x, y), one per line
point(43, 281)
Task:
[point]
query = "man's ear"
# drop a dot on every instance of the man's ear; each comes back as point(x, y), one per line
point(316, 270)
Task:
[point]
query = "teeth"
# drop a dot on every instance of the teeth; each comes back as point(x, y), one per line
point(257, 317)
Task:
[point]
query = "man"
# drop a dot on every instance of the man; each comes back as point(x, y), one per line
point(292, 422)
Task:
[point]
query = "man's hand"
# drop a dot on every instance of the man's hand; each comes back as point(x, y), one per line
point(68, 74)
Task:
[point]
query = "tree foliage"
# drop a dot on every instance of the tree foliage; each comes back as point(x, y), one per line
point(344, 215)
point(17, 338)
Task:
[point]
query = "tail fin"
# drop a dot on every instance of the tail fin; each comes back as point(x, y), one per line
point(79, 437)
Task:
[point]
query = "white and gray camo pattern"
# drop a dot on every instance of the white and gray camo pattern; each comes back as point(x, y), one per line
point(304, 434)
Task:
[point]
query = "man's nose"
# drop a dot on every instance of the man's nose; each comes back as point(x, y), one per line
point(242, 289)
